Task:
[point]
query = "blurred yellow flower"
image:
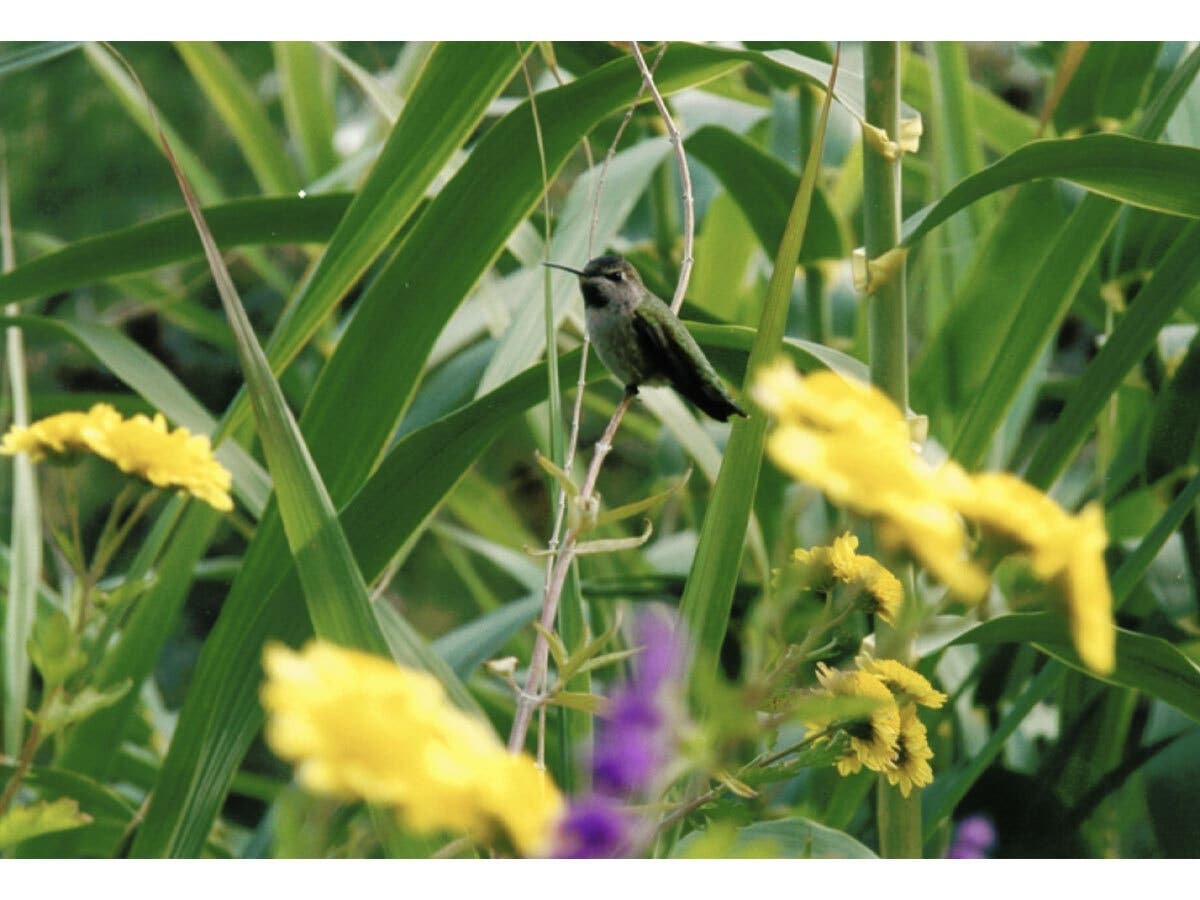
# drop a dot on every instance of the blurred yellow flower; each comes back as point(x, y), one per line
point(61, 435)
point(167, 459)
point(139, 446)
point(912, 769)
point(902, 681)
point(359, 726)
point(1064, 550)
point(852, 442)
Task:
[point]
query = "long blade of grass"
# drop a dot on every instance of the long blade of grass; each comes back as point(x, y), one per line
point(172, 238)
point(306, 88)
point(243, 114)
point(708, 595)
point(25, 545)
point(1175, 279)
point(34, 55)
point(1139, 172)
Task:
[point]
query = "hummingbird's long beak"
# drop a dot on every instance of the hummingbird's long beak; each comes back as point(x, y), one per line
point(564, 268)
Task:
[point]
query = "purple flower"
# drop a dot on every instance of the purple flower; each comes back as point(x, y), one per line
point(973, 839)
point(634, 743)
point(596, 827)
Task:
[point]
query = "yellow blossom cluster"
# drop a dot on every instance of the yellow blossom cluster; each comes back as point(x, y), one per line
point(361, 727)
point(890, 739)
point(139, 446)
point(822, 566)
point(852, 442)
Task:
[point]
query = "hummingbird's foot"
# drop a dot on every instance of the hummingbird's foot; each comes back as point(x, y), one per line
point(631, 390)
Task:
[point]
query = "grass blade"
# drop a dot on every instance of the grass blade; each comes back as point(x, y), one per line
point(243, 115)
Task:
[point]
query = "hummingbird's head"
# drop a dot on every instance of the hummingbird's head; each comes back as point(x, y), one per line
point(607, 280)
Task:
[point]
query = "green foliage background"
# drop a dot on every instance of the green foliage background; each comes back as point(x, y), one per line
point(379, 208)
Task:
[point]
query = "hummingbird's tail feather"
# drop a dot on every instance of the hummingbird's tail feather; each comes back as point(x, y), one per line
point(711, 398)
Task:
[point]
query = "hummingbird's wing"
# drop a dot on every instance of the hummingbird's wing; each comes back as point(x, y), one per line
point(663, 339)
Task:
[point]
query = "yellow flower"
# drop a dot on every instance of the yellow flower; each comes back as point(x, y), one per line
point(902, 681)
point(138, 446)
point(167, 459)
point(820, 567)
point(1064, 550)
point(912, 768)
point(61, 435)
point(361, 727)
point(872, 738)
point(852, 442)
point(1088, 595)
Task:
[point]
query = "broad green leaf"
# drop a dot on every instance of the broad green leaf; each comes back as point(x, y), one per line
point(336, 595)
point(172, 238)
point(1110, 82)
point(1131, 170)
point(161, 389)
point(761, 185)
point(1148, 664)
point(21, 823)
point(950, 369)
point(1002, 127)
point(453, 92)
point(791, 838)
point(469, 645)
point(243, 114)
point(1174, 280)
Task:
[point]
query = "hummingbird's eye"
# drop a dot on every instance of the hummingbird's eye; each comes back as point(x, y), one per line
point(616, 276)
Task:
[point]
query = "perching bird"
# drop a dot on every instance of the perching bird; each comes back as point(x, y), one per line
point(641, 341)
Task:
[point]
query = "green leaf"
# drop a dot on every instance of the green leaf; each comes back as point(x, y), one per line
point(708, 594)
point(63, 712)
point(52, 649)
point(761, 185)
point(34, 55)
point(172, 238)
point(24, 822)
point(306, 89)
point(243, 114)
point(465, 648)
point(1175, 279)
point(1108, 85)
point(791, 838)
point(1128, 169)
point(1175, 425)
point(456, 85)
point(1147, 664)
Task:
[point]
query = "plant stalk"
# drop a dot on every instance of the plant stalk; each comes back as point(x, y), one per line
point(899, 818)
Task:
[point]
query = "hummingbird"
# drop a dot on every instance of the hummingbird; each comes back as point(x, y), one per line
point(641, 341)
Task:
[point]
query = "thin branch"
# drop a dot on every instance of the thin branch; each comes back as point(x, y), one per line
point(685, 179)
point(531, 696)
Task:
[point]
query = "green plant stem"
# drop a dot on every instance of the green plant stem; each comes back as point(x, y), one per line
point(899, 818)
